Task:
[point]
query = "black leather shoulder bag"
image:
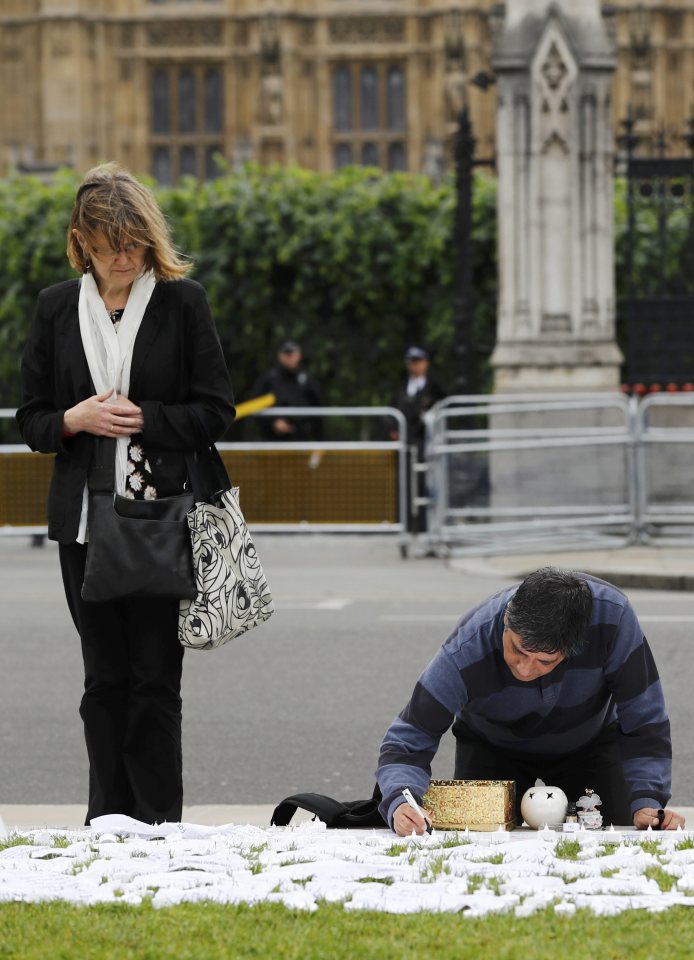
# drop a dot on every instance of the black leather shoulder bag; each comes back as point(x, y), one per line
point(137, 548)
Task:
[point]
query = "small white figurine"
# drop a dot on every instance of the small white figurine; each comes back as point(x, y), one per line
point(586, 807)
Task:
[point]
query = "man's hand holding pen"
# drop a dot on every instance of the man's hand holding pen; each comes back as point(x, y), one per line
point(410, 818)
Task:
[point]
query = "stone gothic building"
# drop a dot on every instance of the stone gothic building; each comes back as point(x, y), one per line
point(167, 86)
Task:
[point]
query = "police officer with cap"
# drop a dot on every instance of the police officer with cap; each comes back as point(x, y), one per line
point(417, 394)
point(292, 386)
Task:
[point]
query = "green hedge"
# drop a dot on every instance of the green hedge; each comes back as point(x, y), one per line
point(356, 265)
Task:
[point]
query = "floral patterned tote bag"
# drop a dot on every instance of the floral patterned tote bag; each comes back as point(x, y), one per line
point(232, 594)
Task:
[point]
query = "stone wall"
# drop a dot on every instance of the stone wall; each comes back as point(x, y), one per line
point(76, 74)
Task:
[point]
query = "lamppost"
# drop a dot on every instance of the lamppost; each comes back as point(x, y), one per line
point(463, 297)
point(464, 293)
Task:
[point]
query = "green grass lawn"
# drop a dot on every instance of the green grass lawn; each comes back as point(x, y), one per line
point(60, 931)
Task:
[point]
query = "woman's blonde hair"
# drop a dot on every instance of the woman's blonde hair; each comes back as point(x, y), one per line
point(112, 201)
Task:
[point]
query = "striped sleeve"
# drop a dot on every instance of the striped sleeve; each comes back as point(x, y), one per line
point(413, 737)
point(644, 738)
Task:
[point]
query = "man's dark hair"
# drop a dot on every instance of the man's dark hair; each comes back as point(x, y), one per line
point(551, 612)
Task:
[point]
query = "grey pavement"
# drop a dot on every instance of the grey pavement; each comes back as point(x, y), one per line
point(637, 567)
point(301, 703)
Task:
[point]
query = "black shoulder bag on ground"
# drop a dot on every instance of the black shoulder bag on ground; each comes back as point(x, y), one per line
point(334, 813)
point(137, 548)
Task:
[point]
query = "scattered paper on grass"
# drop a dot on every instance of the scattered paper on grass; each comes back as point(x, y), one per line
point(122, 860)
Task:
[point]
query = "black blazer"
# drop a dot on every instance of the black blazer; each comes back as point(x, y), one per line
point(178, 377)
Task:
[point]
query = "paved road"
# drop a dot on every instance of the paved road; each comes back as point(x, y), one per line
point(300, 703)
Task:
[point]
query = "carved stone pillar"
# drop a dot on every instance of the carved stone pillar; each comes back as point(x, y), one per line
point(556, 324)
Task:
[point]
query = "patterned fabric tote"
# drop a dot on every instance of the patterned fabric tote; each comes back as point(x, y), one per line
point(232, 592)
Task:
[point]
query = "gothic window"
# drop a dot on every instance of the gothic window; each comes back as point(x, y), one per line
point(369, 155)
point(343, 155)
point(213, 101)
point(161, 165)
point(397, 158)
point(369, 99)
point(212, 169)
point(161, 107)
point(396, 99)
point(186, 102)
point(369, 114)
point(186, 120)
point(188, 165)
point(342, 96)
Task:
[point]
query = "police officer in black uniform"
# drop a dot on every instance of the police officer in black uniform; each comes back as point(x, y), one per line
point(292, 387)
point(418, 393)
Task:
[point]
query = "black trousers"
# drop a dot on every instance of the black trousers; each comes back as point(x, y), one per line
point(131, 706)
point(597, 765)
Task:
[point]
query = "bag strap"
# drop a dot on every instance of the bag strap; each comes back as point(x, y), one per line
point(206, 470)
point(207, 474)
point(325, 808)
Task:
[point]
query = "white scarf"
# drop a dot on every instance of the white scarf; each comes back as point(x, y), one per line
point(109, 351)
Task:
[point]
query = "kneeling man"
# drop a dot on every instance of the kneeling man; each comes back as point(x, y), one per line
point(552, 679)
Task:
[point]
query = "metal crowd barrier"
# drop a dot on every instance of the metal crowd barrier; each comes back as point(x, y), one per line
point(504, 474)
point(355, 486)
point(665, 477)
point(523, 473)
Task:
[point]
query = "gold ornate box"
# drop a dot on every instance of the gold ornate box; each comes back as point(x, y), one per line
point(476, 804)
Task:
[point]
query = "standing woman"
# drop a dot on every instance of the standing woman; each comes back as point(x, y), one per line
point(124, 360)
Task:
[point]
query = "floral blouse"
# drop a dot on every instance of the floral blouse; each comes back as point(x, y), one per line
point(140, 480)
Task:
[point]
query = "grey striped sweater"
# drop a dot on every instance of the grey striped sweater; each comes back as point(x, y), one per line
point(614, 678)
